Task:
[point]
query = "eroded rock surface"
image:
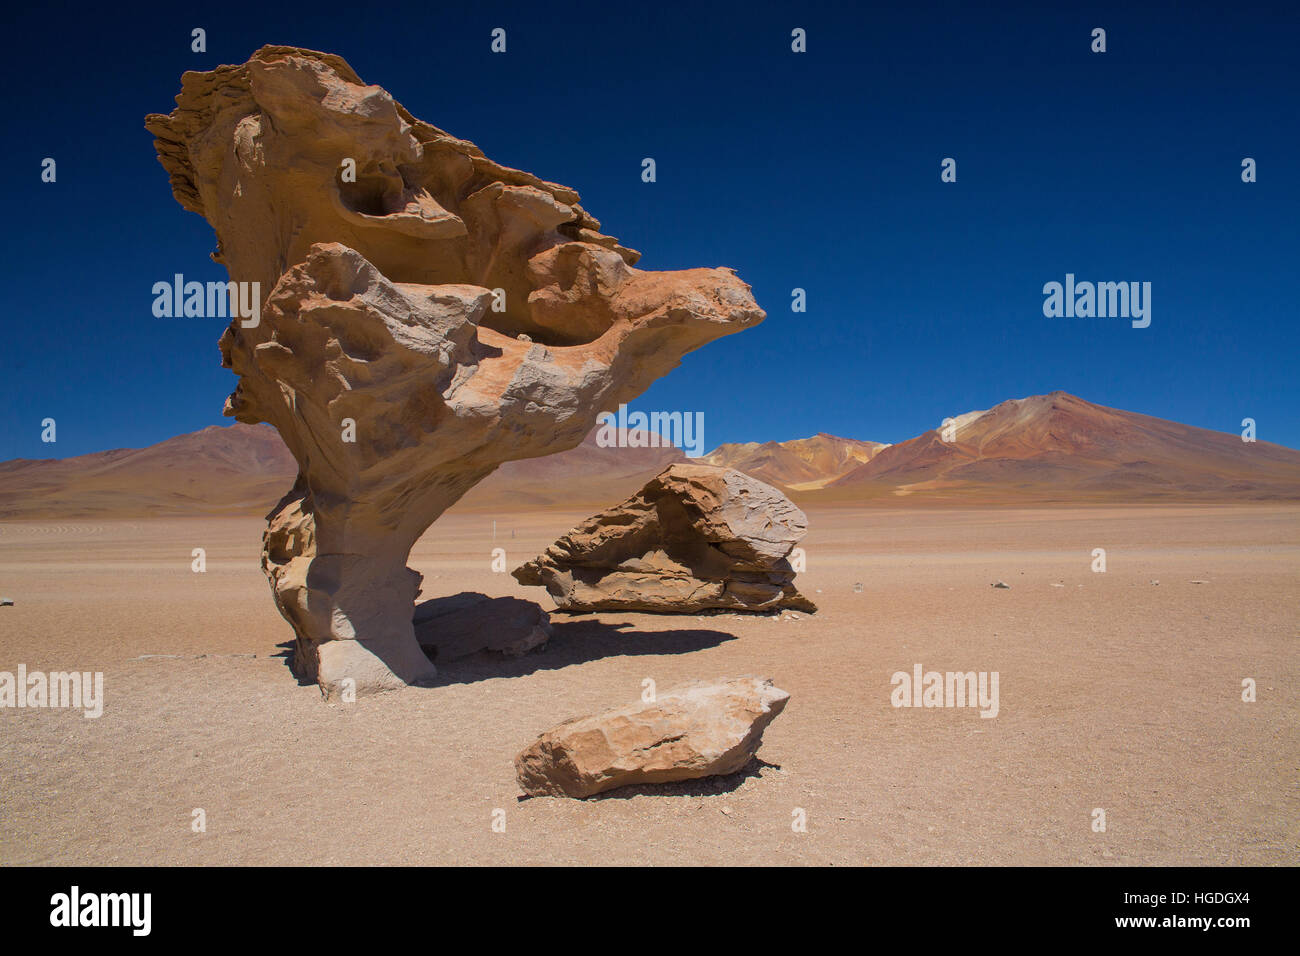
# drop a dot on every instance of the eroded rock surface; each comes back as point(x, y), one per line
point(426, 315)
point(700, 729)
point(696, 538)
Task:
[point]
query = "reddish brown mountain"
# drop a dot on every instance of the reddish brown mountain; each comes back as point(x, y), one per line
point(1060, 447)
point(217, 470)
point(1046, 448)
point(244, 469)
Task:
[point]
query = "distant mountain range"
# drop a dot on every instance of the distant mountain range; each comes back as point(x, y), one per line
point(240, 469)
point(1045, 448)
point(800, 465)
point(245, 469)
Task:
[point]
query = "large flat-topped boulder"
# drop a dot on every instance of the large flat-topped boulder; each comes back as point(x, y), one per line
point(700, 729)
point(695, 538)
point(425, 315)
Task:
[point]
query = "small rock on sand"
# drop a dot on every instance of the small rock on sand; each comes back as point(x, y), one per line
point(700, 729)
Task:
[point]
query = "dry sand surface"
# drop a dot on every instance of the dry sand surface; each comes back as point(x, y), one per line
point(1114, 693)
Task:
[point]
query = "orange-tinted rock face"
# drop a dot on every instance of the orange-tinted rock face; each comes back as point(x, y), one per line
point(426, 314)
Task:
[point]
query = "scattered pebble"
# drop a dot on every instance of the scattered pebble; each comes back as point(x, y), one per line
point(857, 588)
point(1155, 584)
point(1198, 582)
point(1002, 584)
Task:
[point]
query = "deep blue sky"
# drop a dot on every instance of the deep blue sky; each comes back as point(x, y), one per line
point(818, 170)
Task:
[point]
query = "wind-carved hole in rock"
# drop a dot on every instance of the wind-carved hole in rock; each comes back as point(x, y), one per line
point(568, 261)
point(373, 194)
point(414, 179)
point(515, 322)
point(280, 547)
point(569, 230)
point(513, 328)
point(684, 545)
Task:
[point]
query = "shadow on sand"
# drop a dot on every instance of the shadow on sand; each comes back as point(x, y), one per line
point(702, 787)
point(576, 642)
point(286, 654)
point(572, 642)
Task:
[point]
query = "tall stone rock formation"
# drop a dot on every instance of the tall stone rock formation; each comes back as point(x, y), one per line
point(425, 315)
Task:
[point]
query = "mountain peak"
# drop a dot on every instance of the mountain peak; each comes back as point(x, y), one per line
point(1060, 446)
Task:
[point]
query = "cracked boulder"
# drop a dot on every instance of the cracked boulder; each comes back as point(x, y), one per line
point(424, 315)
point(700, 729)
point(695, 538)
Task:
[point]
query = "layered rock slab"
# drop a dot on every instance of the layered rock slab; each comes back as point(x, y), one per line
point(426, 314)
point(700, 729)
point(695, 538)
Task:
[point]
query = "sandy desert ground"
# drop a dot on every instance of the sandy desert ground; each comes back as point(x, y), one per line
point(1115, 693)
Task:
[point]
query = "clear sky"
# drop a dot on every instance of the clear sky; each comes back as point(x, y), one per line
point(817, 170)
